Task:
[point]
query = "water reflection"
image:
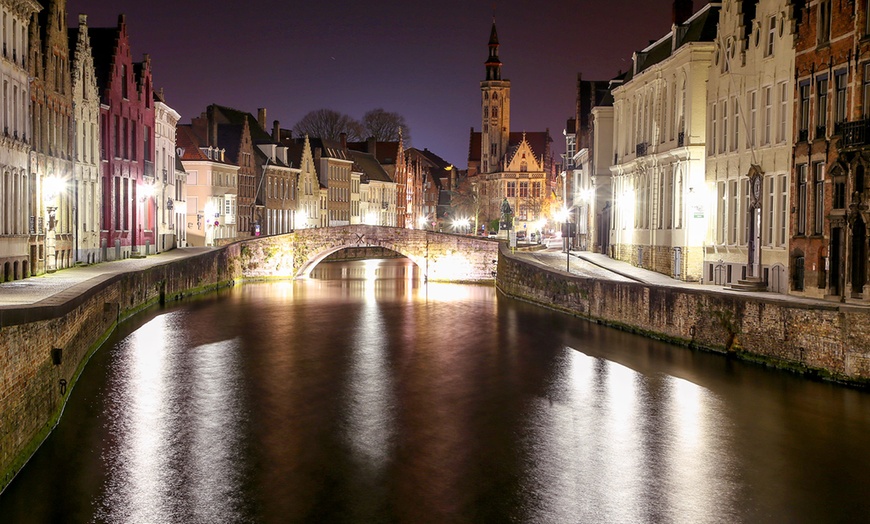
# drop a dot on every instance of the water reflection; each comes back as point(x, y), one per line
point(377, 398)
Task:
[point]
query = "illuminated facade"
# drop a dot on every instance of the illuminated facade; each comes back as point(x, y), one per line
point(308, 202)
point(86, 182)
point(750, 105)
point(127, 140)
point(660, 195)
point(504, 164)
point(829, 191)
point(212, 185)
point(15, 140)
point(51, 98)
point(165, 183)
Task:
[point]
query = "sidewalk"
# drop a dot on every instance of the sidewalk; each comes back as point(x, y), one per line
point(55, 288)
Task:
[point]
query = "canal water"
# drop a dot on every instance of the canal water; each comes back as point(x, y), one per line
point(363, 395)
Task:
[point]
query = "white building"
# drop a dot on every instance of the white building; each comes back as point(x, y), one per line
point(86, 180)
point(308, 201)
point(659, 189)
point(15, 136)
point(165, 181)
point(750, 106)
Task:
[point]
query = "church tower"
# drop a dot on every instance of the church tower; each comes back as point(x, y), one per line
point(495, 101)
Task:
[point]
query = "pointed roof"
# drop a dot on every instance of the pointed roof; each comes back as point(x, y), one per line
point(493, 35)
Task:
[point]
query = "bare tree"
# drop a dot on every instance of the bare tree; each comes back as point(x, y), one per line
point(384, 126)
point(329, 124)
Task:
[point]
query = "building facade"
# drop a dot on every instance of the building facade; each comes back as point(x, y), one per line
point(86, 181)
point(505, 165)
point(51, 98)
point(165, 180)
point(659, 190)
point(212, 185)
point(127, 140)
point(828, 235)
point(750, 104)
point(15, 142)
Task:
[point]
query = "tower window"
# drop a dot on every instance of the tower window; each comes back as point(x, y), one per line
point(495, 112)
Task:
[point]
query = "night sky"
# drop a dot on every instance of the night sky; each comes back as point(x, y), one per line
point(423, 59)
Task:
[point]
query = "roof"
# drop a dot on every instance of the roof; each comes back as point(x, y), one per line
point(187, 140)
point(237, 117)
point(369, 166)
point(328, 148)
point(386, 152)
point(539, 141)
point(701, 27)
point(104, 41)
point(230, 138)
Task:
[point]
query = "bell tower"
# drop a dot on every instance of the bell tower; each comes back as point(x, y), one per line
point(495, 102)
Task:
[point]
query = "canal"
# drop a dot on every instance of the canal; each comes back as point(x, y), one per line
point(363, 395)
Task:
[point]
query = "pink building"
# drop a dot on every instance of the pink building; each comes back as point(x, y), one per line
point(127, 130)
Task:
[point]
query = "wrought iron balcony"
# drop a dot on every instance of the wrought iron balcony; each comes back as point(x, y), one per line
point(855, 134)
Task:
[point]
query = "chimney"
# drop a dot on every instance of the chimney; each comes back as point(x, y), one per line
point(261, 117)
point(212, 127)
point(343, 138)
point(682, 11)
point(276, 131)
point(372, 146)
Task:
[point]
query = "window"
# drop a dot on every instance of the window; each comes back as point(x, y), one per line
point(733, 199)
point(735, 127)
point(117, 136)
point(744, 197)
point(783, 112)
point(753, 118)
point(783, 210)
point(801, 226)
point(770, 204)
point(720, 204)
point(124, 81)
point(819, 197)
point(133, 143)
point(511, 189)
point(804, 124)
point(524, 189)
point(723, 146)
point(867, 17)
point(771, 35)
point(839, 193)
point(494, 112)
point(713, 126)
point(866, 90)
point(821, 106)
point(485, 111)
point(824, 21)
point(767, 94)
point(536, 190)
point(840, 97)
point(126, 138)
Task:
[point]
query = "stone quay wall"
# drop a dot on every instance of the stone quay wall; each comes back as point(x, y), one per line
point(45, 346)
point(830, 341)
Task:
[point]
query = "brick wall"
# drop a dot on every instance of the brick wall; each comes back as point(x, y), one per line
point(827, 340)
point(31, 394)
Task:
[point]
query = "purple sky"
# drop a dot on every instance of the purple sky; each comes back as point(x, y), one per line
point(421, 59)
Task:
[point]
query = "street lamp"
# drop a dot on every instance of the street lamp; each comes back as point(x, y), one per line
point(461, 225)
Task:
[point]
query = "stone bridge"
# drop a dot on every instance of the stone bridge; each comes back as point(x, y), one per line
point(440, 256)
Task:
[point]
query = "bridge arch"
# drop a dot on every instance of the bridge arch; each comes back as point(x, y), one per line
point(440, 256)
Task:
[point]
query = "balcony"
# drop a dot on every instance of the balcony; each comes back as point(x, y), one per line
point(641, 149)
point(855, 133)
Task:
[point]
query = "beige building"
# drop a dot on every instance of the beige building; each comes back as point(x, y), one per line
point(165, 179)
point(377, 191)
point(87, 188)
point(212, 185)
point(308, 201)
point(658, 180)
point(750, 106)
point(15, 140)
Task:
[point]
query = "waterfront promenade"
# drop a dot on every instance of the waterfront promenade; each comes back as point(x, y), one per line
point(56, 288)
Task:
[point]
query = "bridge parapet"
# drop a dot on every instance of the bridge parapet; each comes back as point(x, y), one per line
point(440, 256)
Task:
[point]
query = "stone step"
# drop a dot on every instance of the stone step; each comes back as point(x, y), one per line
point(749, 284)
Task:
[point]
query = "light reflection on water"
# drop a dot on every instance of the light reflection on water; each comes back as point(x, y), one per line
point(363, 395)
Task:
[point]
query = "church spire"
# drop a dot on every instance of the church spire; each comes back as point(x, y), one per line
point(493, 64)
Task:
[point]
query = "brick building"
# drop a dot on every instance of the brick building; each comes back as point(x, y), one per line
point(127, 134)
point(828, 232)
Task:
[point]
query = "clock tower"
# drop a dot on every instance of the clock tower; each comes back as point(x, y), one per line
point(495, 102)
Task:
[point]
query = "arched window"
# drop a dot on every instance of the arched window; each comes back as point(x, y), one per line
point(494, 112)
point(495, 96)
point(524, 166)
